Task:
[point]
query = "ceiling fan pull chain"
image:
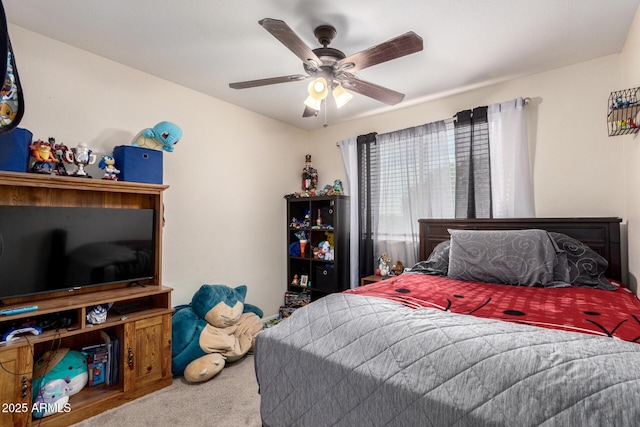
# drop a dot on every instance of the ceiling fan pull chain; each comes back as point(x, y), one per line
point(325, 116)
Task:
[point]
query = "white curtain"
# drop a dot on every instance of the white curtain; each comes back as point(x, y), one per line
point(414, 181)
point(349, 150)
point(511, 184)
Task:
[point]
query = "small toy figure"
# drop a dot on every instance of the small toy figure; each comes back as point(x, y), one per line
point(108, 164)
point(80, 156)
point(302, 238)
point(337, 187)
point(309, 176)
point(383, 264)
point(307, 219)
point(295, 280)
point(59, 151)
point(324, 251)
point(397, 268)
point(45, 159)
point(163, 136)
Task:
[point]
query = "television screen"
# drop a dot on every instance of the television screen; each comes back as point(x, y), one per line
point(47, 249)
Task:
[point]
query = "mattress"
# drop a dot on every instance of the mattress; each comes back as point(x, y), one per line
point(391, 354)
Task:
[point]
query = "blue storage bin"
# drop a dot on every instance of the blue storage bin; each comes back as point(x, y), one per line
point(14, 150)
point(138, 164)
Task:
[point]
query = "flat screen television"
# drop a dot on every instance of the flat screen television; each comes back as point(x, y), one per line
point(50, 249)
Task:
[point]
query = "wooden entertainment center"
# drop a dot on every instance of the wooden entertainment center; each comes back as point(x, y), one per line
point(144, 332)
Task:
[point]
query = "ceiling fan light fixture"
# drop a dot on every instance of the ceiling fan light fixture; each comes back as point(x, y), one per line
point(318, 88)
point(311, 102)
point(341, 96)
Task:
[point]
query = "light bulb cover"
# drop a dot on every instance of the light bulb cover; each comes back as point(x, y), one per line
point(318, 88)
point(341, 96)
point(311, 102)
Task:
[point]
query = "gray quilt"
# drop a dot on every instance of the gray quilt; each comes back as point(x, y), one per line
point(351, 360)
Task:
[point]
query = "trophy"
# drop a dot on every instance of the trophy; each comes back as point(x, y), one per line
point(80, 156)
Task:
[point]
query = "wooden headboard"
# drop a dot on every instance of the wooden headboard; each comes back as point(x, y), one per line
point(600, 234)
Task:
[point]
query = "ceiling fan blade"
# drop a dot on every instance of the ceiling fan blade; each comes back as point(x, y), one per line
point(372, 90)
point(309, 112)
point(269, 81)
point(398, 47)
point(281, 31)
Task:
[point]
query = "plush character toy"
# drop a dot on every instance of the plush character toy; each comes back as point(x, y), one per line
point(52, 398)
point(216, 327)
point(58, 375)
point(162, 136)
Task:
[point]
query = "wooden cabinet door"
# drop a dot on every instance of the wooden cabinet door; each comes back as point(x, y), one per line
point(147, 353)
point(15, 389)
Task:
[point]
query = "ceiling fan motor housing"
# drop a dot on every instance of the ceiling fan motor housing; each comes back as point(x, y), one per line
point(328, 55)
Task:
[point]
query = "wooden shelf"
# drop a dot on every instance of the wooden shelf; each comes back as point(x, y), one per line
point(21, 179)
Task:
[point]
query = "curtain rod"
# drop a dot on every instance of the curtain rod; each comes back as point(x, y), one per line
point(525, 101)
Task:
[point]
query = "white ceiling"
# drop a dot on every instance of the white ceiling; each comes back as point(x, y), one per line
point(207, 44)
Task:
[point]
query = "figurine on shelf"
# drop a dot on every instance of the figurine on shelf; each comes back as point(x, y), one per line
point(81, 156)
point(108, 164)
point(302, 238)
point(295, 280)
point(397, 268)
point(307, 219)
point(383, 264)
point(309, 176)
point(337, 187)
point(45, 158)
point(59, 152)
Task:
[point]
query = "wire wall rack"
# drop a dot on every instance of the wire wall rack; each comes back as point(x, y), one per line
point(623, 116)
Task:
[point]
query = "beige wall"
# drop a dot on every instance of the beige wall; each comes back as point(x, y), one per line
point(225, 211)
point(630, 60)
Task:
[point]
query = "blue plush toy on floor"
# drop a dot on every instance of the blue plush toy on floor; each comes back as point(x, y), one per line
point(215, 328)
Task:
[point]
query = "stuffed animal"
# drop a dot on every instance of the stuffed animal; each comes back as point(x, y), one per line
point(58, 375)
point(162, 136)
point(217, 327)
point(52, 398)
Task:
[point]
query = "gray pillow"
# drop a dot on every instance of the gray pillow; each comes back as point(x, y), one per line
point(586, 267)
point(514, 257)
point(438, 262)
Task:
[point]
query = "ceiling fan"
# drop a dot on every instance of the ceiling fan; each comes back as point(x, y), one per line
point(331, 69)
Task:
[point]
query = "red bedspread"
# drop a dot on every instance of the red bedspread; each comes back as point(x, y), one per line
point(592, 311)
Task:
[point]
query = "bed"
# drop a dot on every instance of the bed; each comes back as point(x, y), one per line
point(427, 349)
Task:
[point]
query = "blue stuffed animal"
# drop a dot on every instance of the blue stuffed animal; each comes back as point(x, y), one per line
point(163, 136)
point(215, 328)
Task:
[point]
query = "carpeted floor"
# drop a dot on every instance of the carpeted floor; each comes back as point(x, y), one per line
point(230, 399)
